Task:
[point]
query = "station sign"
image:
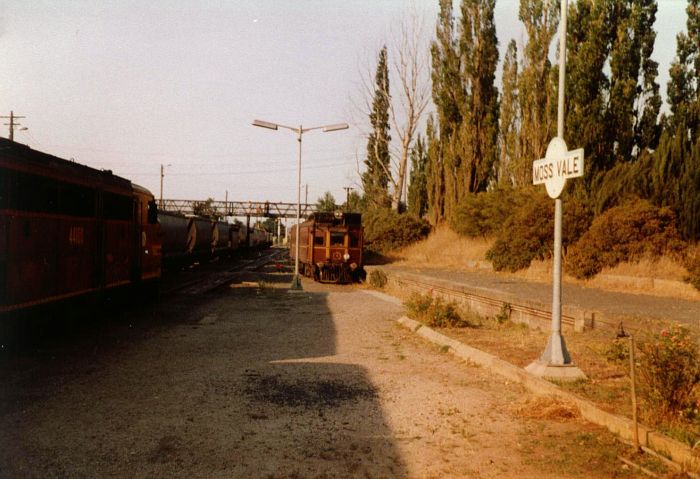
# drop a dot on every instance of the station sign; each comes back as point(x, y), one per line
point(557, 166)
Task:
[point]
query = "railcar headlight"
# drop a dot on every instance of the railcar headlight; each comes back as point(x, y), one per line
point(346, 256)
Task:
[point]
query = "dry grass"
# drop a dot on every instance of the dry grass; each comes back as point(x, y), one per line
point(446, 249)
point(550, 408)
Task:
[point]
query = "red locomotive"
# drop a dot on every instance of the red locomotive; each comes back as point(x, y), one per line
point(67, 229)
point(330, 247)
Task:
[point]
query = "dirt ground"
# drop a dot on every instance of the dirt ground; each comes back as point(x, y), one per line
point(250, 380)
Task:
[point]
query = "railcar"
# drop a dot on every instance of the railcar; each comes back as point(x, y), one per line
point(68, 230)
point(330, 247)
point(187, 238)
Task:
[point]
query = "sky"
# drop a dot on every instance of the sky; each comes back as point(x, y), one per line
point(129, 86)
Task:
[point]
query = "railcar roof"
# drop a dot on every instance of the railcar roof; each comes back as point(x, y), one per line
point(33, 161)
point(336, 219)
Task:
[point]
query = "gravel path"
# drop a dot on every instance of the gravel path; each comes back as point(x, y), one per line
point(251, 381)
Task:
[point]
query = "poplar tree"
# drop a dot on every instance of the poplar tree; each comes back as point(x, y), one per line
point(434, 175)
point(683, 88)
point(536, 96)
point(418, 186)
point(513, 169)
point(464, 62)
point(634, 94)
point(375, 179)
point(588, 49)
point(448, 96)
point(478, 47)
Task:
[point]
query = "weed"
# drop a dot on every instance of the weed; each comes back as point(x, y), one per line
point(618, 350)
point(378, 278)
point(435, 312)
point(504, 314)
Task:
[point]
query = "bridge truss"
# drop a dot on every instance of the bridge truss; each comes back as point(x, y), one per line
point(256, 209)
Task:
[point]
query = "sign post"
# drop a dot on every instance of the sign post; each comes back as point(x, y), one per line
point(553, 170)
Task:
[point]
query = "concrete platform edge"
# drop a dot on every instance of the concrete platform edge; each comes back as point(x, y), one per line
point(676, 451)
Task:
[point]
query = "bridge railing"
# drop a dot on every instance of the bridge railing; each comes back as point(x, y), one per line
point(261, 209)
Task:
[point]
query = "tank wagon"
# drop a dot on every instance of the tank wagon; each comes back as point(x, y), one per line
point(189, 238)
point(68, 230)
point(330, 247)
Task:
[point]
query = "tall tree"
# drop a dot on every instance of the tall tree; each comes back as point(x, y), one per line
point(375, 179)
point(513, 169)
point(448, 96)
point(464, 63)
point(418, 187)
point(634, 94)
point(434, 174)
point(541, 20)
point(588, 49)
point(683, 86)
point(479, 133)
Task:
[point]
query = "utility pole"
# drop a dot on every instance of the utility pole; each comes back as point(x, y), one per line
point(161, 186)
point(13, 124)
point(347, 196)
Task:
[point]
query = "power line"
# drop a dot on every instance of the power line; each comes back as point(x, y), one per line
point(13, 124)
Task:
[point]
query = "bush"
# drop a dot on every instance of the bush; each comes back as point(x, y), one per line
point(527, 232)
point(434, 312)
point(482, 214)
point(624, 233)
point(670, 370)
point(386, 229)
point(377, 278)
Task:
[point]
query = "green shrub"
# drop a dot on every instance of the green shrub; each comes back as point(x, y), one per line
point(629, 232)
point(377, 278)
point(482, 214)
point(527, 231)
point(669, 366)
point(526, 234)
point(434, 311)
point(386, 229)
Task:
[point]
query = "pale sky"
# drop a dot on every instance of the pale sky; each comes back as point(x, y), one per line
point(129, 85)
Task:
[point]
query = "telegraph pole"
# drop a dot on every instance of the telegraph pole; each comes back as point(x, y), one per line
point(13, 124)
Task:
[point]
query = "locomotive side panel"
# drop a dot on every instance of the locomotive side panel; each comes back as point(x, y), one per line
point(67, 229)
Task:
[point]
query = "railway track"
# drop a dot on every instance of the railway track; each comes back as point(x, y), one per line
point(214, 275)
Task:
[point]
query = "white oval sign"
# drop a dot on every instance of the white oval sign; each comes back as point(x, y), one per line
point(557, 165)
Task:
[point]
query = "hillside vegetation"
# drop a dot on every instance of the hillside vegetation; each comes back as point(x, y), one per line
point(448, 250)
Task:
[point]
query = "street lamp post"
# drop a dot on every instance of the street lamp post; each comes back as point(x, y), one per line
point(296, 281)
point(162, 174)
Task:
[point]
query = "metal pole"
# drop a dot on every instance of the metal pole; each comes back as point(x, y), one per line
point(12, 125)
point(296, 282)
point(635, 434)
point(562, 71)
point(559, 355)
point(161, 186)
